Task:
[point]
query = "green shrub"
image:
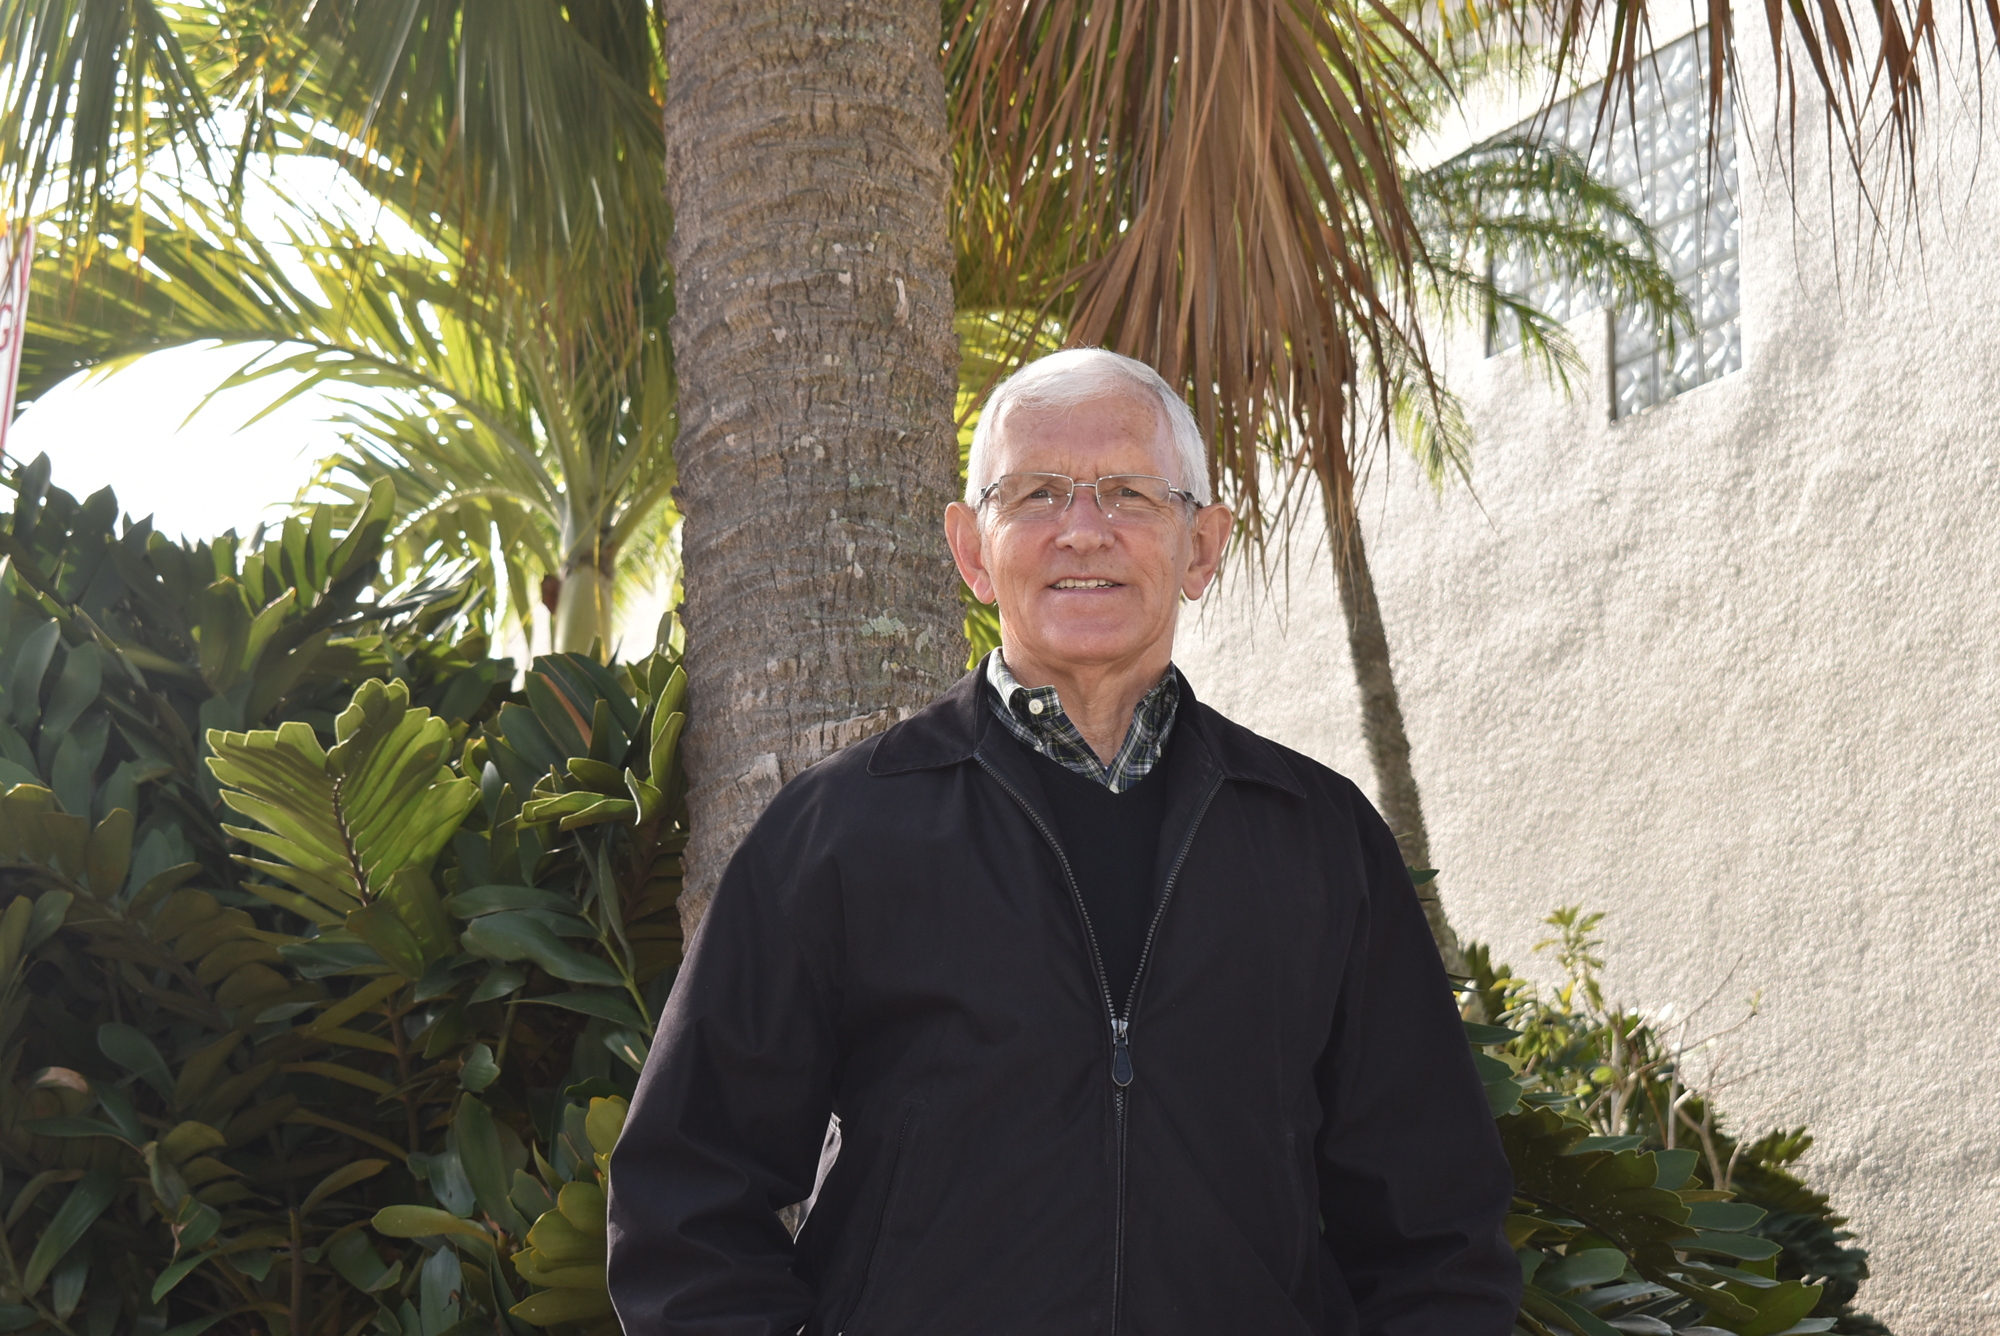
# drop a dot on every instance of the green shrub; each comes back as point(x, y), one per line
point(309, 923)
point(1637, 1208)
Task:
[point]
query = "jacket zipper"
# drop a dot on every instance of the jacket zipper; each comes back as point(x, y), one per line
point(1121, 1026)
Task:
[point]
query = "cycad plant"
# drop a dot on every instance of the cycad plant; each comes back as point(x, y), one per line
point(318, 948)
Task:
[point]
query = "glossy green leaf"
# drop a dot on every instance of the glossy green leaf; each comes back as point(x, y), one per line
point(384, 930)
point(604, 1123)
point(415, 900)
point(1676, 1167)
point(604, 809)
point(499, 982)
point(1593, 1266)
point(130, 1049)
point(1724, 1215)
point(529, 1197)
point(24, 689)
point(1607, 1143)
point(195, 1224)
point(479, 1069)
point(356, 1260)
point(1778, 1307)
point(79, 1211)
point(404, 1221)
point(349, 820)
point(175, 1274)
point(598, 775)
point(494, 899)
point(485, 1167)
point(517, 936)
point(73, 1127)
point(75, 690)
point(339, 1180)
point(1749, 1247)
point(549, 1308)
point(1502, 1097)
point(615, 1007)
point(1567, 1314)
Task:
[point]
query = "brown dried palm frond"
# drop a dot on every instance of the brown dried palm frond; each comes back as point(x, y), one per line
point(1205, 185)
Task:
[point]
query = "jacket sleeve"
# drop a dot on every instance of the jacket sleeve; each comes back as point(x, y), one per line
point(1414, 1186)
point(727, 1124)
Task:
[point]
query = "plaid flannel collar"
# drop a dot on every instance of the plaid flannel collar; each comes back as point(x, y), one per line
point(1035, 715)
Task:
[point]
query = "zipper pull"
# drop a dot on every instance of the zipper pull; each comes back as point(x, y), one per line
point(1121, 1054)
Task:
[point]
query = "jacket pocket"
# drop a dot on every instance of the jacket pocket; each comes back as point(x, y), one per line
point(899, 1171)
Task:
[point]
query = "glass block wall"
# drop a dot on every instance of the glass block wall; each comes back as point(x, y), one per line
point(1661, 161)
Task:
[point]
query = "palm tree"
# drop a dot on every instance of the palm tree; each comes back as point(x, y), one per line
point(514, 376)
point(513, 451)
point(807, 165)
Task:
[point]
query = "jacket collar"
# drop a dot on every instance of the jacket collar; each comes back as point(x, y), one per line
point(950, 729)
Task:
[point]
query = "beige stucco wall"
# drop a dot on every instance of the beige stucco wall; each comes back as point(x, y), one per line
point(1730, 670)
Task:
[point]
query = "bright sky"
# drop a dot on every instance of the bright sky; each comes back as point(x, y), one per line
point(126, 431)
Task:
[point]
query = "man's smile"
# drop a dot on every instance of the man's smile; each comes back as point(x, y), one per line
point(1083, 582)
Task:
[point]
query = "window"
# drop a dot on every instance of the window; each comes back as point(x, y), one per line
point(1665, 170)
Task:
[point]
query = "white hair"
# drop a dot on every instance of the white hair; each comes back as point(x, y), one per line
point(1077, 376)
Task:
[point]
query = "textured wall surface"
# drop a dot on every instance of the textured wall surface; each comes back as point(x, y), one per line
point(1730, 670)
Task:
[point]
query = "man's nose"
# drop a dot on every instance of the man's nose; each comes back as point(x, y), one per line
point(1083, 522)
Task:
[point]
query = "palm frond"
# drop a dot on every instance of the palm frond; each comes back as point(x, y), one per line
point(91, 90)
point(1204, 185)
point(1521, 197)
point(531, 127)
point(508, 443)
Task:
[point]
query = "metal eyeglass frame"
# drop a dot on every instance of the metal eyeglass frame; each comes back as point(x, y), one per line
point(986, 492)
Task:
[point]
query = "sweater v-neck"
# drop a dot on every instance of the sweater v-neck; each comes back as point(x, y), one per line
point(1112, 842)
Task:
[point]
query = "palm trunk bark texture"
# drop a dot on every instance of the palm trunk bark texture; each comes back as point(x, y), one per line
point(1382, 729)
point(806, 162)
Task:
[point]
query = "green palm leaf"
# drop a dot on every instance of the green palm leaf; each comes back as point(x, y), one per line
point(513, 444)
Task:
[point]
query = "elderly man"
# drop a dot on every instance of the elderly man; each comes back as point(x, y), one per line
point(1129, 1018)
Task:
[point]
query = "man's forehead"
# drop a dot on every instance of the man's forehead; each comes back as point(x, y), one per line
point(1108, 421)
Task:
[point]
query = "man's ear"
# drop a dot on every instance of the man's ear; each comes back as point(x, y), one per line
point(1212, 527)
point(961, 532)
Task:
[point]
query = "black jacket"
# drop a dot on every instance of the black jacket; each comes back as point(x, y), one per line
point(1289, 1138)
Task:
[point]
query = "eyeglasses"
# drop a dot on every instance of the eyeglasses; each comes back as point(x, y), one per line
point(1133, 498)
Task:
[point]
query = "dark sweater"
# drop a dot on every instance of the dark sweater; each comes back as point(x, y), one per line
point(1112, 842)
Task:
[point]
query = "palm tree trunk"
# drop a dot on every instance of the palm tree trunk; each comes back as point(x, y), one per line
point(806, 160)
point(583, 611)
point(1382, 727)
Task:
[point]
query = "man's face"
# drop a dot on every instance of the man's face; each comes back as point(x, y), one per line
point(1079, 589)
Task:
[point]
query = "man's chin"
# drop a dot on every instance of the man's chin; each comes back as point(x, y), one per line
point(1088, 646)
